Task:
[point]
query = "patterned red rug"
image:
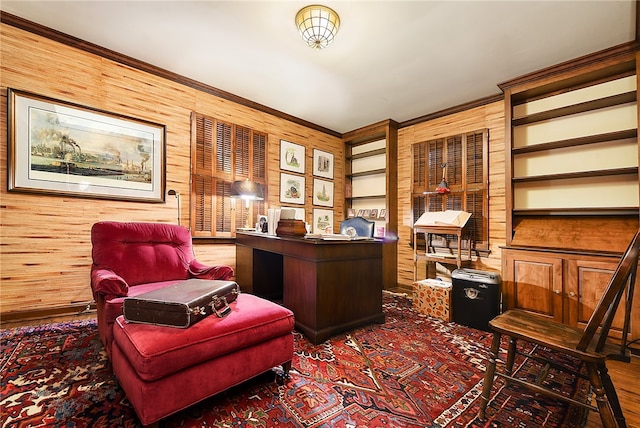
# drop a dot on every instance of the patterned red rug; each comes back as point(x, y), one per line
point(411, 371)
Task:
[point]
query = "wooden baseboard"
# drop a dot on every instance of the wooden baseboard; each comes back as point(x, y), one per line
point(74, 309)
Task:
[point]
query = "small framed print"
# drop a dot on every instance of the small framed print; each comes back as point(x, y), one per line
point(379, 233)
point(322, 164)
point(292, 157)
point(291, 188)
point(360, 213)
point(351, 212)
point(322, 221)
point(382, 214)
point(374, 213)
point(322, 192)
point(366, 213)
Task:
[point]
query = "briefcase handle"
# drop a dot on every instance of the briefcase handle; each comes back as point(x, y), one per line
point(219, 306)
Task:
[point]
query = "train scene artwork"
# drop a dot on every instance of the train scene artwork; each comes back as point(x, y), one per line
point(73, 145)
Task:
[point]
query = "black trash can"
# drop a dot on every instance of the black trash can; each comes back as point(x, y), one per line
point(475, 297)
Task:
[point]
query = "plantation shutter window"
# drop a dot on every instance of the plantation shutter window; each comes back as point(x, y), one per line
point(466, 173)
point(222, 153)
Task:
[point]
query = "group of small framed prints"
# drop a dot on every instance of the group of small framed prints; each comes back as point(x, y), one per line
point(292, 182)
point(372, 214)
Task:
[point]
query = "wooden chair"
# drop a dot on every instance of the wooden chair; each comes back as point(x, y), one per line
point(590, 345)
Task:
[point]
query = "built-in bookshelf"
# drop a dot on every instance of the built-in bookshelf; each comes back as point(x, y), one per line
point(370, 186)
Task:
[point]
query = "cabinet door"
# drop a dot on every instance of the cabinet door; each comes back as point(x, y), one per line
point(533, 282)
point(586, 281)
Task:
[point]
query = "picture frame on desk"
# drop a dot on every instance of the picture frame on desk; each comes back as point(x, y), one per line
point(382, 214)
point(56, 147)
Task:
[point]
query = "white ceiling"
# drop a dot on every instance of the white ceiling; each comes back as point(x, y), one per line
point(390, 60)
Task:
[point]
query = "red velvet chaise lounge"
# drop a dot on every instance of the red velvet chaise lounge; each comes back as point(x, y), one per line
point(165, 369)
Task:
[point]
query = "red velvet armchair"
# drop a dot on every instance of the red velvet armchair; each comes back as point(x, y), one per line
point(132, 258)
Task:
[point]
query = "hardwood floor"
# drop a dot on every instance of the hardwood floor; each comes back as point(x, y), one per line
point(626, 376)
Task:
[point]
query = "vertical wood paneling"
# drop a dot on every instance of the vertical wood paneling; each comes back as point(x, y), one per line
point(45, 251)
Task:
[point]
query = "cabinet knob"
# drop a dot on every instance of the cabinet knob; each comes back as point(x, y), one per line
point(556, 291)
point(572, 294)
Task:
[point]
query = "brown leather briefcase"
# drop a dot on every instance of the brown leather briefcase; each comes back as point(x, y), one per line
point(182, 304)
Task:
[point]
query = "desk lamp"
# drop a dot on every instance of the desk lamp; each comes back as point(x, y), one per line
point(247, 190)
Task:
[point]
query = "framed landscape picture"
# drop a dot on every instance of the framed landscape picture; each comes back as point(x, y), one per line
point(61, 148)
point(292, 157)
point(322, 221)
point(322, 192)
point(322, 164)
point(291, 188)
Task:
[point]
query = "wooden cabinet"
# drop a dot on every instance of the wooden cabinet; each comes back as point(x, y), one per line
point(563, 286)
point(371, 177)
point(572, 184)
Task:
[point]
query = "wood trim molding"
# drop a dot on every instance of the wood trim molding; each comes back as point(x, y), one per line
point(456, 109)
point(57, 36)
point(620, 52)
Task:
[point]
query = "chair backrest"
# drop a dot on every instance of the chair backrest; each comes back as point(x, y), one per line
point(357, 226)
point(623, 279)
point(142, 252)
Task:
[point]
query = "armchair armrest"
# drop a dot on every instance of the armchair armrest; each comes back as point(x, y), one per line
point(202, 271)
point(108, 283)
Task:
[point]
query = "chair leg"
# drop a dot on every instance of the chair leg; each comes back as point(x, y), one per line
point(489, 376)
point(606, 415)
point(612, 396)
point(511, 356)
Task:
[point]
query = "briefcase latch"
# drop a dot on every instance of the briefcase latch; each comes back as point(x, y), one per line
point(219, 306)
point(199, 310)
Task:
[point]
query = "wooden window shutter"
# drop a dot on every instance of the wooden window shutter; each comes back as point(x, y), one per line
point(242, 152)
point(475, 160)
point(259, 169)
point(203, 146)
point(202, 201)
point(221, 153)
point(420, 168)
point(466, 161)
point(223, 206)
point(224, 146)
point(454, 162)
point(478, 221)
point(454, 201)
point(436, 158)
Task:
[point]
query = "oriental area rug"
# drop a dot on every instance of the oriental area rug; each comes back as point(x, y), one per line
point(411, 371)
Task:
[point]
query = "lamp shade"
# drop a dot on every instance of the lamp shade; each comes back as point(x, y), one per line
point(246, 190)
point(317, 25)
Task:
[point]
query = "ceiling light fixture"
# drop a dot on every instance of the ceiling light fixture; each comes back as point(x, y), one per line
point(317, 25)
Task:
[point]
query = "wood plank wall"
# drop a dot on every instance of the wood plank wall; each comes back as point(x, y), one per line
point(45, 251)
point(490, 116)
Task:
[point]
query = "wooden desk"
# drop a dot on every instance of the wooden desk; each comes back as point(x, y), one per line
point(331, 286)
